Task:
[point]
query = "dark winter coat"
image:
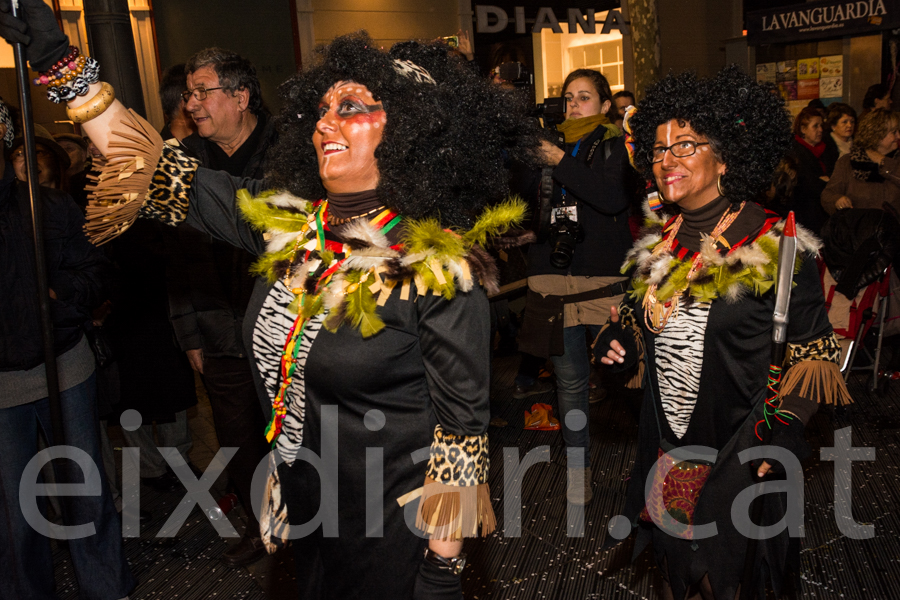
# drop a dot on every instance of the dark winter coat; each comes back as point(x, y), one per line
point(77, 273)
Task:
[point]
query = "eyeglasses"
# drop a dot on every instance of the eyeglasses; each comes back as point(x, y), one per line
point(20, 153)
point(679, 150)
point(199, 93)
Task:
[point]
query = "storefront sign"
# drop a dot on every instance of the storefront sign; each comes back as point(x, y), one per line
point(815, 20)
point(494, 19)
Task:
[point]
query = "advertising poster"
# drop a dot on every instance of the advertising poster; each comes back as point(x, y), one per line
point(808, 68)
point(831, 87)
point(807, 89)
point(765, 73)
point(786, 70)
point(788, 90)
point(831, 66)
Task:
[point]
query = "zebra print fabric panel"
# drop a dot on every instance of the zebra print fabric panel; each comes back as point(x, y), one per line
point(679, 359)
point(271, 330)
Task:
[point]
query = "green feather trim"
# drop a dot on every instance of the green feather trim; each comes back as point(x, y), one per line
point(496, 220)
point(717, 281)
point(362, 309)
point(264, 216)
point(427, 234)
point(265, 264)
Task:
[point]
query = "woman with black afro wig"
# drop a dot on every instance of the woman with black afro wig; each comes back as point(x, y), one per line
point(369, 326)
point(698, 323)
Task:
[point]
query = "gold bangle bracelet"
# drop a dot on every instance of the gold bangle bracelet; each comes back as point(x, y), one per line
point(94, 107)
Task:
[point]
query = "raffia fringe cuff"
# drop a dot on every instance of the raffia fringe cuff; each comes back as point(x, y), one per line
point(818, 380)
point(274, 526)
point(451, 513)
point(118, 190)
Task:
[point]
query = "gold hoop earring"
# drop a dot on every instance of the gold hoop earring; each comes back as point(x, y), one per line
point(719, 185)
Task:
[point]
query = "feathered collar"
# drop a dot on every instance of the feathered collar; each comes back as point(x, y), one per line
point(750, 265)
point(368, 269)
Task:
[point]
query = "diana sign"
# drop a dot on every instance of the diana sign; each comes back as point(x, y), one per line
point(815, 20)
point(494, 19)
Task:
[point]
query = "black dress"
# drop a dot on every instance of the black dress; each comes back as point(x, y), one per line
point(367, 407)
point(708, 374)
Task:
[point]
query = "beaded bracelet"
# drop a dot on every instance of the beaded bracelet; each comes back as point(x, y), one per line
point(69, 77)
point(94, 107)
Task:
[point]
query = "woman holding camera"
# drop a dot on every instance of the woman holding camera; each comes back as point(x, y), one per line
point(573, 274)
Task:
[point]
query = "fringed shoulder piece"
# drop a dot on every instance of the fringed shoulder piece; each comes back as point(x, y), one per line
point(456, 501)
point(751, 266)
point(118, 191)
point(430, 259)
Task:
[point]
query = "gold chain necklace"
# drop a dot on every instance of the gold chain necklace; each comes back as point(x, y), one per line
point(333, 221)
point(656, 313)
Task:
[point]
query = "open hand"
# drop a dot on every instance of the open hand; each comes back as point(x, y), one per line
point(616, 351)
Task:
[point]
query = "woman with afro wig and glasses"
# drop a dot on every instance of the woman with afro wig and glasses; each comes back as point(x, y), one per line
point(699, 323)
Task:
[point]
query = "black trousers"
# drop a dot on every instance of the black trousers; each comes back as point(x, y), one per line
point(239, 424)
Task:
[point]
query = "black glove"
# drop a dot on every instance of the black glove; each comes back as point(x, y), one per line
point(791, 438)
point(434, 583)
point(616, 331)
point(37, 29)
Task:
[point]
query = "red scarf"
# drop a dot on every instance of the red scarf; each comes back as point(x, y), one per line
point(816, 150)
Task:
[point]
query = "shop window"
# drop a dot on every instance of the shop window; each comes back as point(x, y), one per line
point(556, 55)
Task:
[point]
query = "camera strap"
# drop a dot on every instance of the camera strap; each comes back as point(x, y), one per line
point(574, 154)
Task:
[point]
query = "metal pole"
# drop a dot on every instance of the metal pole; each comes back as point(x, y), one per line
point(40, 262)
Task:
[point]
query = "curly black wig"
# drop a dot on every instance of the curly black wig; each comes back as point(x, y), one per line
point(745, 122)
point(444, 145)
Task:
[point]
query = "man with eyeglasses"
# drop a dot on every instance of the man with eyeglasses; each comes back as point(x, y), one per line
point(212, 288)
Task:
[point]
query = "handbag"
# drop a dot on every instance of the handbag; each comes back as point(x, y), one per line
point(100, 345)
point(676, 494)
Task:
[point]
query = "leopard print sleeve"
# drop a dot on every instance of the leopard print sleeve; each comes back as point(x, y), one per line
point(167, 196)
point(825, 348)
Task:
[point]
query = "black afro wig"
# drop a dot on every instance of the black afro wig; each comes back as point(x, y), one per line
point(745, 122)
point(444, 145)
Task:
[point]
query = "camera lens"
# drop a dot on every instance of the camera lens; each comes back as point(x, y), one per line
point(563, 249)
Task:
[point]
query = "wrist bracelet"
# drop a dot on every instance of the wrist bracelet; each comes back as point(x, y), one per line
point(94, 107)
point(69, 77)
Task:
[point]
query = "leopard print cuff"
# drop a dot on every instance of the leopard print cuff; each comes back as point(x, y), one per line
point(825, 348)
point(458, 460)
point(167, 199)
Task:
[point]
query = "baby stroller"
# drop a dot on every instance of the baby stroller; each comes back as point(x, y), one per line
point(856, 273)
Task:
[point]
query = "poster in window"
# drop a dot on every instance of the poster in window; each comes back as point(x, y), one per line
point(831, 66)
point(808, 68)
point(788, 90)
point(831, 87)
point(765, 73)
point(786, 70)
point(807, 89)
